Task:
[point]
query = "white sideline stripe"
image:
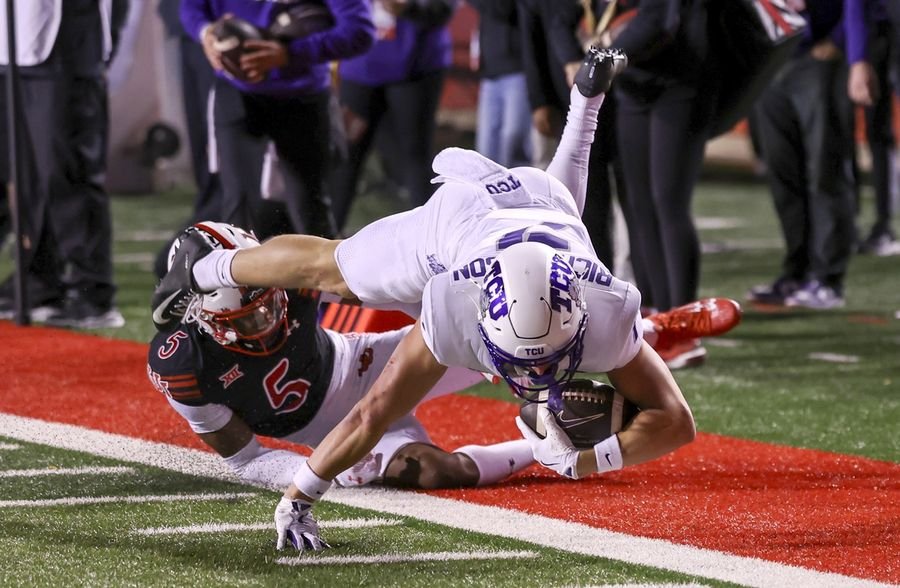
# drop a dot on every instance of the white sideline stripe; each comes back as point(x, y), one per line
point(499, 522)
point(82, 500)
point(65, 472)
point(4, 446)
point(301, 560)
point(232, 527)
point(721, 342)
point(834, 357)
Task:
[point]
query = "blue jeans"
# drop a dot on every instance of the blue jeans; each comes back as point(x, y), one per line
point(504, 120)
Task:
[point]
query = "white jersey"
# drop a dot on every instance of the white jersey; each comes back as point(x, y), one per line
point(430, 261)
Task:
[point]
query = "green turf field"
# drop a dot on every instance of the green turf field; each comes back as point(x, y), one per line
point(761, 382)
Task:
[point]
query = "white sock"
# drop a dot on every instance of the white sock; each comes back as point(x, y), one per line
point(570, 162)
point(214, 271)
point(499, 461)
point(650, 334)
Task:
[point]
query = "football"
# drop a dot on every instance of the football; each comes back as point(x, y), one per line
point(301, 21)
point(588, 411)
point(230, 34)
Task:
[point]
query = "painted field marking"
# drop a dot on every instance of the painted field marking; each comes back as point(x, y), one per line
point(490, 520)
point(234, 527)
point(708, 223)
point(65, 472)
point(9, 446)
point(722, 342)
point(305, 560)
point(82, 500)
point(834, 357)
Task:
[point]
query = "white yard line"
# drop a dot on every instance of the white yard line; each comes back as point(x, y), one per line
point(267, 526)
point(305, 560)
point(539, 530)
point(65, 472)
point(82, 500)
point(9, 446)
point(834, 357)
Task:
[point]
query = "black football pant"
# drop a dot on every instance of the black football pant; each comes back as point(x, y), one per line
point(300, 129)
point(802, 119)
point(661, 138)
point(407, 112)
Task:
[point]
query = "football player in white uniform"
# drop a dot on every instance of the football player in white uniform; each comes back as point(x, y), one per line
point(251, 362)
point(502, 276)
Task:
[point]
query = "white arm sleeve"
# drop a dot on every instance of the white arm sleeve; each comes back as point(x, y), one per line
point(570, 162)
point(208, 418)
point(273, 468)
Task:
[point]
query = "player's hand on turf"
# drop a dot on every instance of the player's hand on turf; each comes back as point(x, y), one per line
point(295, 523)
point(555, 451)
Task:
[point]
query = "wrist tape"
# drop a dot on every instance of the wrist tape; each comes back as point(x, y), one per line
point(309, 483)
point(609, 454)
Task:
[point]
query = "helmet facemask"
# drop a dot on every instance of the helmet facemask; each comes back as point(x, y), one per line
point(533, 316)
point(248, 321)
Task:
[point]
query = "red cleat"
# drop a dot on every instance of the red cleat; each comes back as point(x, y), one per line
point(705, 318)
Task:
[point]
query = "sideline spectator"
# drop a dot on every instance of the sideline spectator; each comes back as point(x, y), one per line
point(65, 49)
point(805, 119)
point(504, 116)
point(665, 105)
point(197, 79)
point(398, 82)
point(284, 99)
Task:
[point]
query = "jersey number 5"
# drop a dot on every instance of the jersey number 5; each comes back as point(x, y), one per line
point(284, 396)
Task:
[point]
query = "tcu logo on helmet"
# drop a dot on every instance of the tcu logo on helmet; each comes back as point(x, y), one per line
point(563, 285)
point(493, 294)
point(508, 185)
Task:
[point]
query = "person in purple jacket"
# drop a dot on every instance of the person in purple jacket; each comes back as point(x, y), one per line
point(398, 82)
point(283, 100)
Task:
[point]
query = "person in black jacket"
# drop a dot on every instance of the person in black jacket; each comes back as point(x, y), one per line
point(504, 116)
point(664, 101)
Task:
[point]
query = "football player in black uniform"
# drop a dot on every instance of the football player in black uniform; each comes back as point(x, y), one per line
point(254, 361)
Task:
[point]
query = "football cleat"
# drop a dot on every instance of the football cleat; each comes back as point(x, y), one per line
point(704, 318)
point(177, 288)
point(599, 68)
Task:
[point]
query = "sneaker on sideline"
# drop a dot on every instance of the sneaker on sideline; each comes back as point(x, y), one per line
point(77, 312)
point(775, 293)
point(816, 296)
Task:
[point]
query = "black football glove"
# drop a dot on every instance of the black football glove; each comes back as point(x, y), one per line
point(174, 292)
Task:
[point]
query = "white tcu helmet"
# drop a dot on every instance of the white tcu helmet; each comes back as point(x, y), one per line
point(533, 315)
point(248, 320)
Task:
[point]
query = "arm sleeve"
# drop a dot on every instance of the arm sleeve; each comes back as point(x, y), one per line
point(353, 34)
point(856, 30)
point(534, 56)
point(561, 23)
point(206, 418)
point(272, 468)
point(195, 14)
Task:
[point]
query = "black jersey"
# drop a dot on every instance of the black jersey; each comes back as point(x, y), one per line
point(276, 395)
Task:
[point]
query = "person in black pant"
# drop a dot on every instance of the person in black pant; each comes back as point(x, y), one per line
point(282, 97)
point(65, 101)
point(804, 120)
point(197, 78)
point(664, 111)
point(870, 87)
point(395, 87)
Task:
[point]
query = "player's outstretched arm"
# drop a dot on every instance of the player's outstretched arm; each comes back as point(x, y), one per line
point(665, 422)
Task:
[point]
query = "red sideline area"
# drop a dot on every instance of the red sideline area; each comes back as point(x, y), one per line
point(819, 510)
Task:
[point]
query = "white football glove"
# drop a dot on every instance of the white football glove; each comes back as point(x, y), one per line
point(555, 451)
point(294, 521)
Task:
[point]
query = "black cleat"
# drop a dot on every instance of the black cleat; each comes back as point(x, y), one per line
point(599, 68)
point(175, 291)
